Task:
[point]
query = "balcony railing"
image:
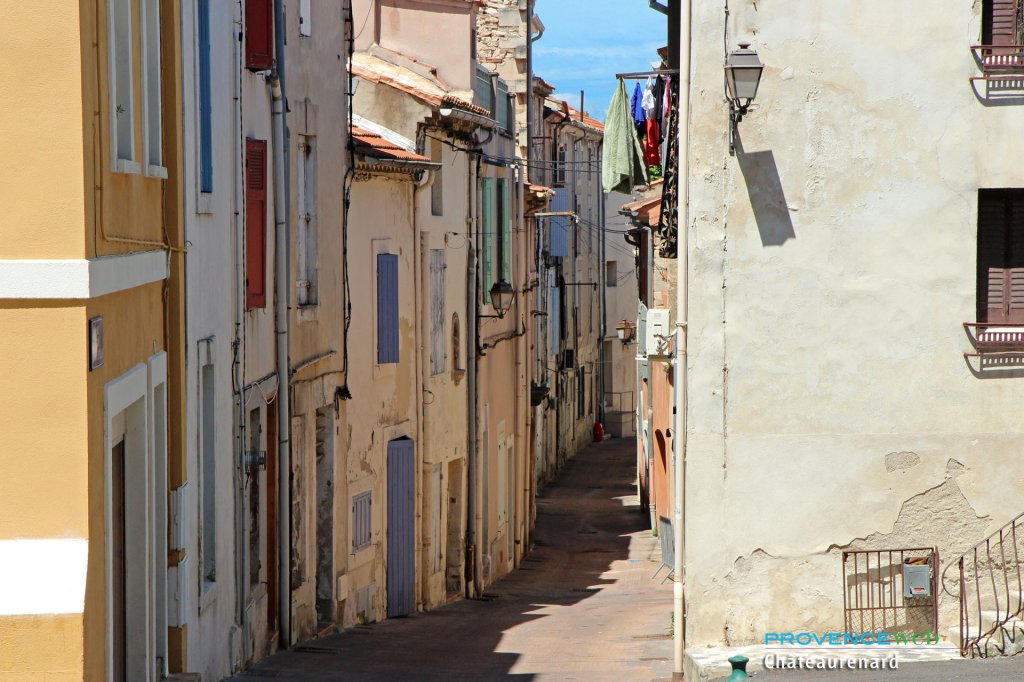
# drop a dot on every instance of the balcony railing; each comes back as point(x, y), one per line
point(996, 344)
point(999, 62)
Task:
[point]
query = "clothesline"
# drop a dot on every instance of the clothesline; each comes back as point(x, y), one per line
point(644, 75)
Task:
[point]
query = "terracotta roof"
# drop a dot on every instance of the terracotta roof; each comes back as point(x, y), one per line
point(648, 210)
point(430, 90)
point(573, 114)
point(372, 144)
point(588, 120)
point(540, 189)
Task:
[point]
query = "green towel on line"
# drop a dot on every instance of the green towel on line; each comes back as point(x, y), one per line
point(623, 158)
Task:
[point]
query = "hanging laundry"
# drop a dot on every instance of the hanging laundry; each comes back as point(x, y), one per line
point(639, 115)
point(650, 104)
point(652, 153)
point(659, 100)
point(622, 156)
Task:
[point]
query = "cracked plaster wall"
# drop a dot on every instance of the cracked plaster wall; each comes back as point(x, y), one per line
point(832, 263)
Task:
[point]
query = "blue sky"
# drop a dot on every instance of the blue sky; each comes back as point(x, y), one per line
point(586, 42)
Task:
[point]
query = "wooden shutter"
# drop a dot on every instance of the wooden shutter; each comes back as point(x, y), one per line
point(506, 231)
point(1001, 256)
point(255, 223)
point(387, 308)
point(259, 34)
point(487, 245)
point(1000, 25)
point(437, 312)
point(205, 99)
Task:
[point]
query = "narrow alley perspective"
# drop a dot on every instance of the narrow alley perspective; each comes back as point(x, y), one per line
point(580, 607)
point(570, 340)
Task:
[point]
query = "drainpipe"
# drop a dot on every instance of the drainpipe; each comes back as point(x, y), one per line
point(281, 322)
point(420, 270)
point(680, 360)
point(472, 523)
point(522, 378)
point(239, 341)
point(602, 277)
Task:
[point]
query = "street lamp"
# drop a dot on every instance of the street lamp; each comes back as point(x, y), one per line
point(502, 295)
point(743, 72)
point(626, 331)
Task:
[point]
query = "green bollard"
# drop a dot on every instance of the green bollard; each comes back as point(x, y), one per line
point(739, 668)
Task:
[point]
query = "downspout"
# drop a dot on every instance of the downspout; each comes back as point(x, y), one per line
point(472, 526)
point(602, 277)
point(680, 360)
point(239, 341)
point(522, 378)
point(281, 321)
point(420, 269)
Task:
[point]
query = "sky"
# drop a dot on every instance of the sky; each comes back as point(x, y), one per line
point(587, 42)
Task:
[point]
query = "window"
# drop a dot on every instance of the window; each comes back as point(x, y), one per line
point(255, 223)
point(208, 532)
point(483, 87)
point(437, 312)
point(1001, 256)
point(502, 108)
point(252, 484)
point(259, 35)
point(305, 18)
point(307, 280)
point(504, 231)
point(488, 228)
point(437, 189)
point(456, 345)
point(362, 521)
point(387, 309)
point(121, 90)
point(205, 98)
point(151, 86)
point(559, 164)
point(611, 274)
point(1001, 23)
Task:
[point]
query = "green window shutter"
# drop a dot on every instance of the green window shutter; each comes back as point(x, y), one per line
point(506, 231)
point(487, 247)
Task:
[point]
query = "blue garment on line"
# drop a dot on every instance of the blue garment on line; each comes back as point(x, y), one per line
point(637, 105)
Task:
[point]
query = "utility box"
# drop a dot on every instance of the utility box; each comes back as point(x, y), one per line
point(917, 577)
point(659, 331)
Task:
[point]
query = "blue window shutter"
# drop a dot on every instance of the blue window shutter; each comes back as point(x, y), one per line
point(488, 237)
point(387, 308)
point(205, 100)
point(559, 246)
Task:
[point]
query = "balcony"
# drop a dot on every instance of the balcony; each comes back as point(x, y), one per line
point(996, 345)
point(1002, 70)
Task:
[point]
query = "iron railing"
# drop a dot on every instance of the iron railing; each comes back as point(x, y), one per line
point(990, 586)
point(995, 344)
point(873, 596)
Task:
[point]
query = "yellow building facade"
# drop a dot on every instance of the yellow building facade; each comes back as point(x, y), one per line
point(90, 259)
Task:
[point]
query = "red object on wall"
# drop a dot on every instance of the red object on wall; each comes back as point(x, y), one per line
point(259, 34)
point(255, 223)
point(598, 432)
point(652, 146)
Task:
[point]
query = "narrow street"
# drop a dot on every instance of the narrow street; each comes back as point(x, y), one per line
point(583, 606)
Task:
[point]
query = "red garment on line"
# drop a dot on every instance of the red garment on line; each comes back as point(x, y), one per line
point(652, 146)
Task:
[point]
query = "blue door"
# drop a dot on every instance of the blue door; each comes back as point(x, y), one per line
point(401, 527)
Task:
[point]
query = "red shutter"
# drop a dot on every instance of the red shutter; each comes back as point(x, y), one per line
point(1000, 22)
point(259, 34)
point(1001, 256)
point(255, 223)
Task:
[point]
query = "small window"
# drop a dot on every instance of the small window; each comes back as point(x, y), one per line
point(611, 274)
point(559, 165)
point(456, 345)
point(305, 18)
point(438, 357)
point(208, 482)
point(1001, 256)
point(259, 35)
point(437, 189)
point(121, 91)
point(504, 231)
point(205, 98)
point(387, 309)
point(307, 271)
point(362, 521)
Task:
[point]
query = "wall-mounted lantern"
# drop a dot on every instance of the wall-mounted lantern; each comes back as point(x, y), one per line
point(626, 331)
point(502, 295)
point(743, 71)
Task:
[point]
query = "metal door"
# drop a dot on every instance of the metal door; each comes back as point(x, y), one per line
point(401, 527)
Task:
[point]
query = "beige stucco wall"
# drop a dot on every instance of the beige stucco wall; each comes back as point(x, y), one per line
point(832, 265)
